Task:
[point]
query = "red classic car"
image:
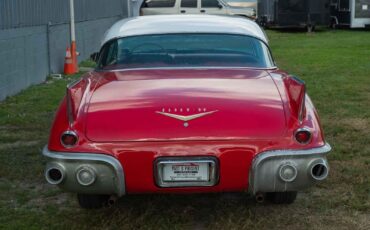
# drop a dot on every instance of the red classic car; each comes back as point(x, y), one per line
point(185, 104)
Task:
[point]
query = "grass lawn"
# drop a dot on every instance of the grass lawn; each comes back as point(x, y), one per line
point(336, 68)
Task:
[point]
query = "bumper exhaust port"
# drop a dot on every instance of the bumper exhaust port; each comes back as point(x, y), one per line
point(260, 197)
point(54, 175)
point(319, 171)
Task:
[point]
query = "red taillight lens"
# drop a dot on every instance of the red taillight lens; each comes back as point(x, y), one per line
point(303, 136)
point(69, 139)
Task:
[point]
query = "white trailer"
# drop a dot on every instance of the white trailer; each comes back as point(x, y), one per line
point(350, 13)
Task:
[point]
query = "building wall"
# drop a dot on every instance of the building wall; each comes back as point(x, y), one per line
point(34, 36)
point(25, 13)
point(23, 59)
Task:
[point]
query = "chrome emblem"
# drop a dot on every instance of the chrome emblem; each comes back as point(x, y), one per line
point(187, 118)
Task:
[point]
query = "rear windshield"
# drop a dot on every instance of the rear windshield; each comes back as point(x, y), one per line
point(185, 50)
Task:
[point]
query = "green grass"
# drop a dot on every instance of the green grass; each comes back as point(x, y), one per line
point(88, 63)
point(336, 68)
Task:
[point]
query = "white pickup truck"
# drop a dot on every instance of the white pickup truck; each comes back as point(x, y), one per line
point(220, 7)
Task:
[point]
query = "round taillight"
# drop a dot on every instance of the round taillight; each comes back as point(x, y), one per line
point(69, 139)
point(303, 136)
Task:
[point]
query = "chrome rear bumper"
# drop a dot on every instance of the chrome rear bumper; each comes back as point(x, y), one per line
point(288, 170)
point(108, 175)
point(271, 171)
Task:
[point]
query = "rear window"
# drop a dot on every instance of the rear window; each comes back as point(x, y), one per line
point(189, 3)
point(185, 50)
point(159, 3)
point(210, 3)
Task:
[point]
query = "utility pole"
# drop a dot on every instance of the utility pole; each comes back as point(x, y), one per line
point(73, 36)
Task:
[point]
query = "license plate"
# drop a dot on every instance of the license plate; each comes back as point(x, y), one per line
point(185, 171)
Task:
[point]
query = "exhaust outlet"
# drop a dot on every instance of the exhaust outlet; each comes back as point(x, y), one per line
point(54, 174)
point(260, 197)
point(319, 171)
point(111, 201)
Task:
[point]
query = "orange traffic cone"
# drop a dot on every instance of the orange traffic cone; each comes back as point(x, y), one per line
point(74, 56)
point(68, 63)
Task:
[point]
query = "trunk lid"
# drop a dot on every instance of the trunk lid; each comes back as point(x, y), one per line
point(157, 105)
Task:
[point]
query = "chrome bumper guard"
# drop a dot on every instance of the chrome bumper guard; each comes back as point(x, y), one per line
point(288, 170)
point(98, 173)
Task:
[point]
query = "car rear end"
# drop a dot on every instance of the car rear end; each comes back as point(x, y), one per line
point(146, 138)
point(213, 114)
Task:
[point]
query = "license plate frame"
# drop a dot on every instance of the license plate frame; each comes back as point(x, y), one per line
point(161, 163)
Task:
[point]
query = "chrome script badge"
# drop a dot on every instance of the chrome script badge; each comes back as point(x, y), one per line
point(186, 118)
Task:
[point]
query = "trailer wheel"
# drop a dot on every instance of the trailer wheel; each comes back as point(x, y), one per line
point(310, 28)
point(333, 24)
point(263, 22)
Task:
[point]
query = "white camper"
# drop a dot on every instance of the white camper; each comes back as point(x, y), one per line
point(350, 13)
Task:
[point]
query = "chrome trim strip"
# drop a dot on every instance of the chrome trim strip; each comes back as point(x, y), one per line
point(74, 83)
point(302, 108)
point(185, 67)
point(69, 98)
point(69, 107)
point(91, 157)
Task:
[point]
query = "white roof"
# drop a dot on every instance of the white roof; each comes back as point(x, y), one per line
point(169, 24)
